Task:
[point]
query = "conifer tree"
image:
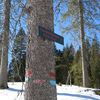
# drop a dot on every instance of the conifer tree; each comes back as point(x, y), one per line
point(64, 61)
point(40, 62)
point(95, 63)
point(77, 69)
point(82, 15)
point(18, 63)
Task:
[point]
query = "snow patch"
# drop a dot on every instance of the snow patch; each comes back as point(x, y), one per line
point(64, 92)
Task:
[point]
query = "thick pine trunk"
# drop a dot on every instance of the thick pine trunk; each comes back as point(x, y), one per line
point(5, 42)
point(40, 66)
point(82, 39)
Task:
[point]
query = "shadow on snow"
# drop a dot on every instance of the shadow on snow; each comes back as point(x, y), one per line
point(77, 95)
point(15, 90)
point(64, 94)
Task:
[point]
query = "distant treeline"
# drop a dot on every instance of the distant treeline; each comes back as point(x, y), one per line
point(68, 62)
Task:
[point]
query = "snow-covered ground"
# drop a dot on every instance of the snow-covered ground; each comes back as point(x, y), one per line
point(64, 92)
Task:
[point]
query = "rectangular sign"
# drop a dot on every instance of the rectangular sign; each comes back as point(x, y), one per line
point(47, 34)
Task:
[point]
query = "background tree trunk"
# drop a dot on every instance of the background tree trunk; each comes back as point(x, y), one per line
point(0, 47)
point(82, 39)
point(5, 43)
point(40, 56)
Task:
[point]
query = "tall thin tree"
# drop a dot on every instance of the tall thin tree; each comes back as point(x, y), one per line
point(84, 67)
point(82, 16)
point(5, 43)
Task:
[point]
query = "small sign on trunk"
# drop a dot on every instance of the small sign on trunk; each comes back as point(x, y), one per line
point(47, 34)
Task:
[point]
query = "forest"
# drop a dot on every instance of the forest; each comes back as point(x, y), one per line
point(27, 57)
point(68, 62)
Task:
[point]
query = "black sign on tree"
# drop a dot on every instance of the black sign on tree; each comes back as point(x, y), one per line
point(47, 34)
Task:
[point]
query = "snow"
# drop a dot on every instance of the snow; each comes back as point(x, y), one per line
point(67, 92)
point(64, 92)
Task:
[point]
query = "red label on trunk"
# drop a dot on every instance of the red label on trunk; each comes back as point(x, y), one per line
point(52, 74)
point(28, 73)
point(38, 81)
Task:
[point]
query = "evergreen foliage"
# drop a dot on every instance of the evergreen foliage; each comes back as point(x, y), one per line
point(95, 63)
point(64, 61)
point(68, 62)
point(82, 17)
point(77, 69)
point(68, 11)
point(17, 66)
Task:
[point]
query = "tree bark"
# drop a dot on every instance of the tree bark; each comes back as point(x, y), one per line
point(40, 83)
point(5, 43)
point(82, 39)
point(0, 47)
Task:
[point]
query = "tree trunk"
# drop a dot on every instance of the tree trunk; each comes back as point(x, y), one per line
point(82, 34)
point(0, 47)
point(40, 66)
point(5, 43)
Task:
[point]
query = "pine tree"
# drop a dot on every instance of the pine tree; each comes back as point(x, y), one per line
point(87, 59)
point(61, 68)
point(64, 61)
point(77, 69)
point(18, 64)
point(40, 84)
point(82, 15)
point(95, 63)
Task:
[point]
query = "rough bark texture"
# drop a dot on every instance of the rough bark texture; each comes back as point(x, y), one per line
point(40, 57)
point(84, 66)
point(4, 60)
point(0, 47)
